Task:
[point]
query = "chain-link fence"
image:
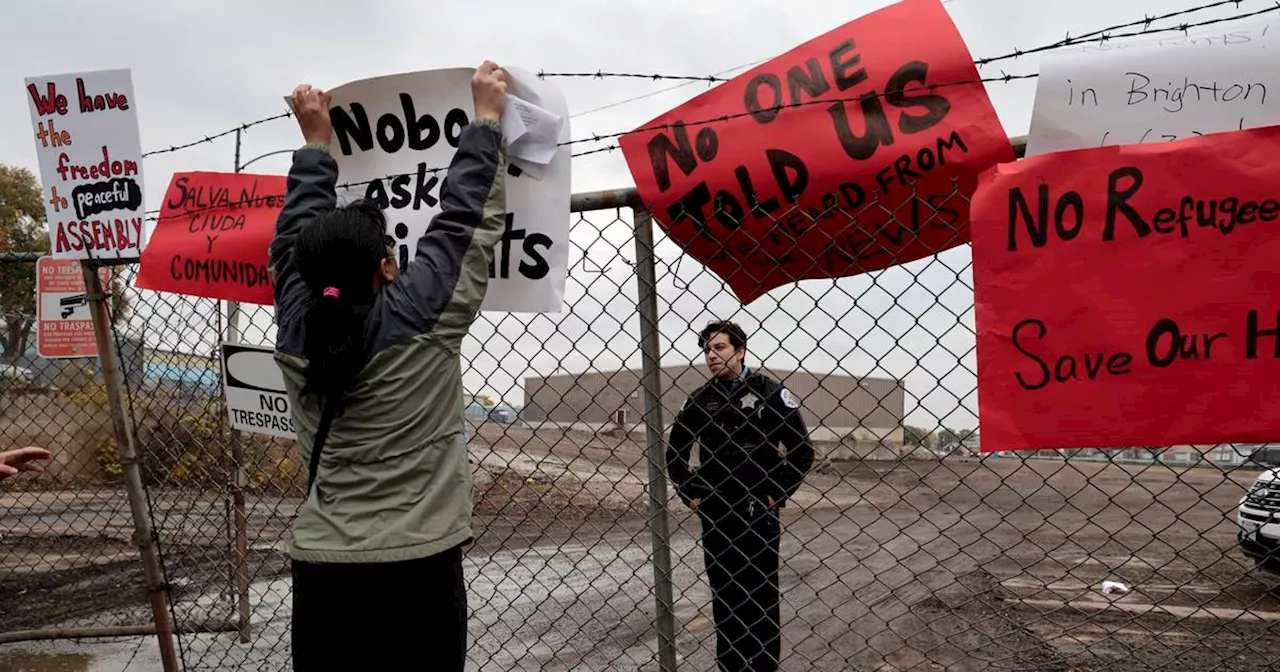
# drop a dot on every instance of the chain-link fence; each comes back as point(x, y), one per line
point(904, 549)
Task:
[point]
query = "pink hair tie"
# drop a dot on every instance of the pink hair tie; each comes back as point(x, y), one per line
point(331, 292)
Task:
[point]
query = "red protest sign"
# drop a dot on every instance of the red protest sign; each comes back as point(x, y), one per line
point(852, 152)
point(213, 235)
point(1126, 296)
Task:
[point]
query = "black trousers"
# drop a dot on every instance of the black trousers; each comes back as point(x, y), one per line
point(740, 546)
point(380, 616)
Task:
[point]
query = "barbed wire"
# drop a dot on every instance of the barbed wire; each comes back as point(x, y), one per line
point(1098, 36)
point(600, 74)
point(1004, 77)
point(211, 138)
point(1102, 36)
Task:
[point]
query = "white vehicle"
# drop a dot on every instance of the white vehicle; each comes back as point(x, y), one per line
point(1259, 519)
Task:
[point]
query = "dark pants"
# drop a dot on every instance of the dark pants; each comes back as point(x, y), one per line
point(740, 546)
point(380, 616)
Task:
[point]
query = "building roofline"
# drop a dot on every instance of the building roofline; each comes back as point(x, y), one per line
point(703, 367)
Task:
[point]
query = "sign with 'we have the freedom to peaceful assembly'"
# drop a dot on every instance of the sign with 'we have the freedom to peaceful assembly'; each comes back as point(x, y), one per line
point(852, 152)
point(213, 236)
point(393, 139)
point(86, 134)
point(1126, 296)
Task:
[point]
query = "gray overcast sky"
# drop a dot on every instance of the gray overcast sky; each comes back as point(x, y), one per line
point(200, 68)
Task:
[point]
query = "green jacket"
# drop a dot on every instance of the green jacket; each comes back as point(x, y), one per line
point(394, 481)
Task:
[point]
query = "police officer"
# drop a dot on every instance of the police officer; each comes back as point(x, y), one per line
point(739, 419)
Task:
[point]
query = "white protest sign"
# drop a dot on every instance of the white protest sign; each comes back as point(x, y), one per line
point(1155, 90)
point(254, 387)
point(86, 133)
point(393, 139)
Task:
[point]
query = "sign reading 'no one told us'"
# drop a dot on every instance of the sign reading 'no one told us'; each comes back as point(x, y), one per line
point(851, 153)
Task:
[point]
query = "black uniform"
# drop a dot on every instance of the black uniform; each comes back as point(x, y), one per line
point(739, 426)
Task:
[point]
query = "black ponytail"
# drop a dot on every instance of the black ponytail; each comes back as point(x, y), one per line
point(339, 255)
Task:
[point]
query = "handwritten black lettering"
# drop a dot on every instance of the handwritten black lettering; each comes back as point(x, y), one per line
point(218, 272)
point(926, 159)
point(1174, 96)
point(532, 244)
point(392, 132)
point(1066, 368)
point(1037, 225)
point(206, 197)
point(1254, 333)
point(681, 150)
point(1118, 202)
point(402, 196)
point(1167, 344)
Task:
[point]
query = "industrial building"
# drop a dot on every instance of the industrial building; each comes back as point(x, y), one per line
point(837, 408)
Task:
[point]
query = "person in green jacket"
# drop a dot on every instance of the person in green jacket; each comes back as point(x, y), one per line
point(371, 362)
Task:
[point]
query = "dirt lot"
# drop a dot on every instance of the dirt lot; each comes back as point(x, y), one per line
point(960, 564)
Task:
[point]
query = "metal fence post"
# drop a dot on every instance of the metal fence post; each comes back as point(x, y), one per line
point(654, 426)
point(239, 478)
point(122, 423)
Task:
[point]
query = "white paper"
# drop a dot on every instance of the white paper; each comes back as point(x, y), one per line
point(1112, 587)
point(530, 268)
point(85, 127)
point(532, 132)
point(1156, 90)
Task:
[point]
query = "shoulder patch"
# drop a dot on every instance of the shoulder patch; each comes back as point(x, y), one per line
point(789, 400)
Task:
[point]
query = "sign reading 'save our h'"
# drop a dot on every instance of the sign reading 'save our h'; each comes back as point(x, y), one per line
point(86, 134)
point(254, 386)
point(1126, 296)
point(393, 139)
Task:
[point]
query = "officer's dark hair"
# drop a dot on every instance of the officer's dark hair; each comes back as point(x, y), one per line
point(737, 337)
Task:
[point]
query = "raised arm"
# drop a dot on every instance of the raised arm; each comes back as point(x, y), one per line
point(792, 433)
point(449, 276)
point(309, 189)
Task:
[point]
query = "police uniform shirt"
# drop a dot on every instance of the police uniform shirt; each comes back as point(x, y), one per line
point(739, 426)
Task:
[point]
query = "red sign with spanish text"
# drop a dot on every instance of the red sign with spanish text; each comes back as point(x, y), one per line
point(851, 153)
point(1127, 296)
point(213, 236)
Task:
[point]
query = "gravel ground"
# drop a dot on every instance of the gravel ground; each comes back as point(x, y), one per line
point(960, 565)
